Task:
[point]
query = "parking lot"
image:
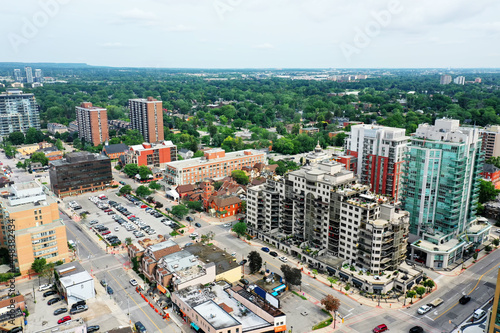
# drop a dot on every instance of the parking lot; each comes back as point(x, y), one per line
point(113, 228)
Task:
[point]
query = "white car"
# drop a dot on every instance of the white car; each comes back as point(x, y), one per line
point(226, 225)
point(117, 228)
point(45, 287)
point(194, 234)
point(233, 254)
point(284, 259)
point(424, 309)
point(133, 282)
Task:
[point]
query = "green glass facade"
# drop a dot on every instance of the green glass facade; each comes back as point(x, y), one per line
point(441, 185)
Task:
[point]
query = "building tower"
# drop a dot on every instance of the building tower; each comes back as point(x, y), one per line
point(441, 188)
point(92, 123)
point(18, 77)
point(38, 75)
point(146, 116)
point(18, 112)
point(380, 152)
point(29, 74)
point(491, 141)
point(445, 79)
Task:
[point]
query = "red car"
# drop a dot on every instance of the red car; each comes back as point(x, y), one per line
point(107, 210)
point(107, 232)
point(64, 319)
point(144, 206)
point(130, 216)
point(380, 328)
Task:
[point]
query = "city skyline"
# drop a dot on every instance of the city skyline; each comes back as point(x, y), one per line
point(235, 34)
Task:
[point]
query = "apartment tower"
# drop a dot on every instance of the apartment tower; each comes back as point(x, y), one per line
point(18, 112)
point(92, 123)
point(380, 153)
point(146, 116)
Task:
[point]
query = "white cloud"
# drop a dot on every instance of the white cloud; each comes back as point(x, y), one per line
point(180, 28)
point(266, 46)
point(137, 14)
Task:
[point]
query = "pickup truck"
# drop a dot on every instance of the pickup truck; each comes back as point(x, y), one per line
point(437, 302)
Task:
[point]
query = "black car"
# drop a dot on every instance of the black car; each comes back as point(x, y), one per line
point(464, 299)
point(274, 254)
point(244, 261)
point(416, 329)
point(245, 282)
point(189, 218)
point(140, 327)
point(197, 225)
point(74, 306)
point(93, 328)
point(49, 293)
point(53, 301)
point(103, 283)
point(16, 329)
point(60, 311)
point(109, 290)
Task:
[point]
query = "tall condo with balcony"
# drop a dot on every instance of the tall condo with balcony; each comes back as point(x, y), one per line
point(18, 112)
point(92, 123)
point(146, 116)
point(441, 189)
point(380, 152)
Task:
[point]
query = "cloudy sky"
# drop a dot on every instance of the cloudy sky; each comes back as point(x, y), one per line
point(253, 33)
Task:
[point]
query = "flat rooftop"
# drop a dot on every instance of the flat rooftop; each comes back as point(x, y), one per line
point(207, 254)
point(162, 245)
point(201, 160)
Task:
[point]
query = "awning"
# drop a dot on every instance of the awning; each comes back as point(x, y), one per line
point(274, 294)
point(160, 288)
point(172, 194)
point(280, 288)
point(193, 325)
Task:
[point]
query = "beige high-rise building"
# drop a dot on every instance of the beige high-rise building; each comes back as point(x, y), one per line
point(92, 123)
point(491, 141)
point(31, 222)
point(146, 116)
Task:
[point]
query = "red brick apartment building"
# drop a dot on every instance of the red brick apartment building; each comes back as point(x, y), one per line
point(146, 116)
point(152, 154)
point(92, 123)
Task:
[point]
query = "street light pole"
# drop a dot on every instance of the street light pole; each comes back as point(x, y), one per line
point(335, 320)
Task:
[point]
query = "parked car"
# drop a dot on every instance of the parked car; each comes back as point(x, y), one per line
point(416, 329)
point(49, 293)
point(93, 222)
point(74, 305)
point(16, 329)
point(194, 234)
point(107, 232)
point(109, 290)
point(133, 282)
point(78, 309)
point(144, 206)
point(226, 225)
point(60, 311)
point(197, 225)
point(53, 300)
point(283, 258)
point(245, 282)
point(233, 254)
point(93, 328)
point(103, 283)
point(478, 314)
point(243, 262)
point(380, 328)
point(274, 254)
point(464, 299)
point(45, 287)
point(189, 219)
point(64, 319)
point(140, 327)
point(265, 249)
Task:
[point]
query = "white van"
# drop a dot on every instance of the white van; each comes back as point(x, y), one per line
point(478, 314)
point(71, 243)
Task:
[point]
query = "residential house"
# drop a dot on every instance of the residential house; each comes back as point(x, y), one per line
point(115, 151)
point(154, 253)
point(492, 174)
point(185, 190)
point(309, 130)
point(74, 282)
point(224, 206)
point(185, 153)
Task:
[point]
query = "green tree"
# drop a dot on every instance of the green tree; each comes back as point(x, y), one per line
point(10, 151)
point(496, 241)
point(180, 211)
point(487, 191)
point(429, 284)
point(420, 291)
point(240, 228)
point(293, 276)
point(347, 287)
point(143, 191)
point(217, 185)
point(39, 157)
point(131, 170)
point(48, 271)
point(254, 262)
point(16, 138)
point(240, 177)
point(154, 186)
point(144, 172)
point(195, 205)
point(198, 153)
point(126, 189)
point(34, 136)
point(38, 265)
point(59, 144)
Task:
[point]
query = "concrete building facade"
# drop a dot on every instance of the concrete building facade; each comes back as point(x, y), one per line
point(152, 154)
point(491, 141)
point(92, 123)
point(18, 112)
point(146, 116)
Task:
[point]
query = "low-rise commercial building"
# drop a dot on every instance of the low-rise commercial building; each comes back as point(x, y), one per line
point(115, 151)
point(54, 128)
point(74, 283)
point(215, 164)
point(152, 154)
point(31, 217)
point(27, 150)
point(221, 309)
point(52, 153)
point(80, 172)
point(224, 206)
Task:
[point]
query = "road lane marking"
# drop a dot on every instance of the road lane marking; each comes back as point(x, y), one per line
point(88, 250)
point(477, 283)
point(133, 300)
